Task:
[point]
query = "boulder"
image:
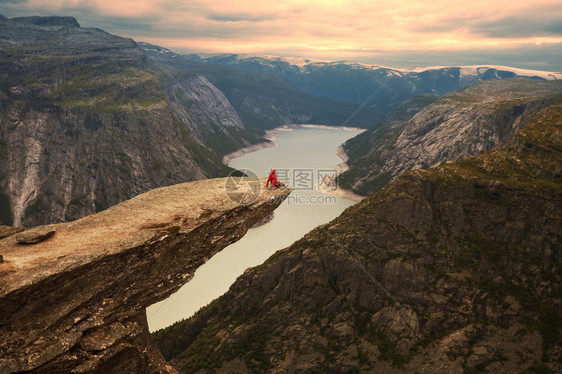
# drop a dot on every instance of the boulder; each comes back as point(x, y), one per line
point(36, 234)
point(6, 231)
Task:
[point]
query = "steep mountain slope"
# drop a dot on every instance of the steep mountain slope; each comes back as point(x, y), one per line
point(85, 123)
point(379, 87)
point(463, 123)
point(456, 268)
point(265, 101)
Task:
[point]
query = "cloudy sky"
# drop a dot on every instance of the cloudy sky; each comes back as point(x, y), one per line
point(398, 33)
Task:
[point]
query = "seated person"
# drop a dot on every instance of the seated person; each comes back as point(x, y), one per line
point(273, 180)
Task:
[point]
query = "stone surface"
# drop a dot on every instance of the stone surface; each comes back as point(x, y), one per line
point(458, 125)
point(36, 235)
point(6, 231)
point(76, 302)
point(87, 122)
point(451, 269)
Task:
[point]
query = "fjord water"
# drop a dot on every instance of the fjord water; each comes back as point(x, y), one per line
point(301, 154)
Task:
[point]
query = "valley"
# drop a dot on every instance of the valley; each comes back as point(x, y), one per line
point(306, 207)
point(118, 182)
point(451, 269)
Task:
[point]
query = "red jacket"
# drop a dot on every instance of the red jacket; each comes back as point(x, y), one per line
point(272, 178)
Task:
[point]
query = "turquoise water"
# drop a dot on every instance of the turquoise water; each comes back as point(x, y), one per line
point(302, 157)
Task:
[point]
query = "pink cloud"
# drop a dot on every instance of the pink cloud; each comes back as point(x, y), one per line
point(317, 27)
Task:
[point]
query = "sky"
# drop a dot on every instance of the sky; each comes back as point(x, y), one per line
point(397, 33)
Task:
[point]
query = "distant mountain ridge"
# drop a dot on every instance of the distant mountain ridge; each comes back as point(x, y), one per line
point(269, 64)
point(378, 87)
point(265, 101)
point(47, 21)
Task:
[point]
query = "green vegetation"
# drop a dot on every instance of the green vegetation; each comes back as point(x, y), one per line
point(202, 354)
point(209, 161)
point(126, 89)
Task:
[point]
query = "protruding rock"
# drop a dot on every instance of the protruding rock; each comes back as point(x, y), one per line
point(6, 231)
point(36, 235)
point(75, 302)
point(446, 269)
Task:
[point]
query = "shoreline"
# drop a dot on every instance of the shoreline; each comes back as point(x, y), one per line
point(313, 126)
point(270, 137)
point(340, 168)
point(251, 148)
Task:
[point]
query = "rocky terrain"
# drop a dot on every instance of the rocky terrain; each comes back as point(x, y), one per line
point(377, 87)
point(265, 101)
point(73, 295)
point(460, 124)
point(456, 268)
point(85, 122)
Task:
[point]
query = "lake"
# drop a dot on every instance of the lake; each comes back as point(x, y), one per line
point(304, 157)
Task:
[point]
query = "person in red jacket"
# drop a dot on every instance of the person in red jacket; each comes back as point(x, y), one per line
point(273, 180)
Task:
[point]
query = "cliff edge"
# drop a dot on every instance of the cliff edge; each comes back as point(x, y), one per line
point(87, 122)
point(75, 301)
point(460, 124)
point(453, 269)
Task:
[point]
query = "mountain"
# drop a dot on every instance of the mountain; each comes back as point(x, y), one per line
point(379, 87)
point(456, 268)
point(73, 296)
point(86, 122)
point(460, 124)
point(265, 101)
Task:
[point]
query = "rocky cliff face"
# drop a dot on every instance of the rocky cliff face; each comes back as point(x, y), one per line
point(208, 114)
point(86, 123)
point(265, 101)
point(460, 124)
point(378, 87)
point(75, 301)
point(452, 269)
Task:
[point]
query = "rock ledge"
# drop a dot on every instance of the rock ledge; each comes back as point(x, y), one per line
point(76, 302)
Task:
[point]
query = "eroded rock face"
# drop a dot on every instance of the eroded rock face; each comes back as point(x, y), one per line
point(458, 125)
point(451, 269)
point(75, 302)
point(86, 122)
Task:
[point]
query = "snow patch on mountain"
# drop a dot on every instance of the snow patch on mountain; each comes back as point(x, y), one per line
point(475, 70)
